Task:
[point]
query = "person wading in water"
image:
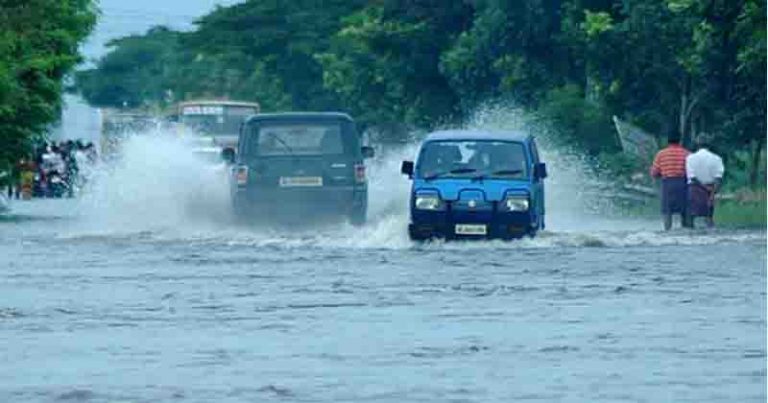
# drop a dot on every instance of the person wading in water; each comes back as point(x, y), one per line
point(669, 165)
point(705, 174)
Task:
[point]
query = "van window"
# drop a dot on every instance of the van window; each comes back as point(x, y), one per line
point(469, 159)
point(272, 140)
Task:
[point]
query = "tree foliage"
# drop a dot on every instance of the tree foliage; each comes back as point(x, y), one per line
point(684, 66)
point(39, 42)
point(136, 71)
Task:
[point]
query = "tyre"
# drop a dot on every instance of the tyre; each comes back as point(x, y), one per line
point(239, 210)
point(417, 236)
point(358, 217)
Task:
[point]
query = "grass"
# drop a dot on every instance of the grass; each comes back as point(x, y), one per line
point(741, 209)
point(744, 213)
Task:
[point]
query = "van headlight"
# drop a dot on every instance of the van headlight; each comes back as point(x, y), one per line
point(516, 203)
point(428, 202)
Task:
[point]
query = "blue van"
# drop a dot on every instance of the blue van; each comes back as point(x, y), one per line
point(476, 184)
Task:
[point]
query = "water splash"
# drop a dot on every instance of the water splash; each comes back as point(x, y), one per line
point(576, 197)
point(159, 190)
point(157, 183)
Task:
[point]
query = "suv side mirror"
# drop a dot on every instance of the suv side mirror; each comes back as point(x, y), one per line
point(368, 152)
point(407, 168)
point(540, 170)
point(228, 155)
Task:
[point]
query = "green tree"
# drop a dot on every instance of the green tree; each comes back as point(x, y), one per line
point(685, 66)
point(278, 40)
point(39, 42)
point(384, 63)
point(510, 50)
point(134, 73)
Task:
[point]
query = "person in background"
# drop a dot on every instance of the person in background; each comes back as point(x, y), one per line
point(71, 170)
point(27, 171)
point(16, 176)
point(669, 166)
point(83, 166)
point(705, 175)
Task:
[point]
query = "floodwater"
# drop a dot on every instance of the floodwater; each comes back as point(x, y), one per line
point(144, 291)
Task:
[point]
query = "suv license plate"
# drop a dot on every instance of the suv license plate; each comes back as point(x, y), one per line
point(301, 181)
point(471, 229)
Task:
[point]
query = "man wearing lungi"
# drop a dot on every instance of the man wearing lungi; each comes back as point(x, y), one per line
point(705, 174)
point(669, 165)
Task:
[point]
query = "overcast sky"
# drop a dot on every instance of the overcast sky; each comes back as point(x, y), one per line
point(125, 17)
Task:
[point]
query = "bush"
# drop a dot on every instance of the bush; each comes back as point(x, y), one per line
point(579, 122)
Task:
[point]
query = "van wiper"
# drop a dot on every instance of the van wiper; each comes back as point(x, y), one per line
point(284, 144)
point(498, 173)
point(451, 172)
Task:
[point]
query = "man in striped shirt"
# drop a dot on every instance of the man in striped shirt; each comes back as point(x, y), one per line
point(669, 165)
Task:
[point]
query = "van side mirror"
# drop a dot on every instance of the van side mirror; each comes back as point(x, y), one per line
point(368, 152)
point(228, 155)
point(540, 170)
point(407, 168)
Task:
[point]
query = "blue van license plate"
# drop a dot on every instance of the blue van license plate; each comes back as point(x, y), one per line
point(471, 229)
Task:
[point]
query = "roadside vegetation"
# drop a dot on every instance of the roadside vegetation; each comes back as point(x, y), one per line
point(39, 42)
point(686, 66)
point(744, 212)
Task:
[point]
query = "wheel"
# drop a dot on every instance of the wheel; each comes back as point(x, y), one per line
point(358, 217)
point(417, 236)
point(239, 210)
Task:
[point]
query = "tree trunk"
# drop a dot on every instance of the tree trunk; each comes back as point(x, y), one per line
point(688, 103)
point(681, 117)
point(754, 168)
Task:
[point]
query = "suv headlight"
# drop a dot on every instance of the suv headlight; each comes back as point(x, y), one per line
point(516, 203)
point(428, 202)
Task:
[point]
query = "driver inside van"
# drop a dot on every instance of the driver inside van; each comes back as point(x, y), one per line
point(498, 158)
point(440, 158)
point(481, 157)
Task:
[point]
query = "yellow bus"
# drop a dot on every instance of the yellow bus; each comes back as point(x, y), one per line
point(218, 119)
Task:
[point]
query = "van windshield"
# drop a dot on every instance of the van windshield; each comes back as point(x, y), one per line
point(296, 140)
point(473, 159)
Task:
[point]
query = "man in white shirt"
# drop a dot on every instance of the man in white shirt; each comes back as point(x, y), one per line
point(704, 170)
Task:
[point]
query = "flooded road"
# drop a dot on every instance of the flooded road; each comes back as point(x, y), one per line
point(125, 304)
point(238, 315)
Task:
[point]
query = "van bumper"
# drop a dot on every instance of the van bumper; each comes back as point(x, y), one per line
point(427, 225)
point(300, 204)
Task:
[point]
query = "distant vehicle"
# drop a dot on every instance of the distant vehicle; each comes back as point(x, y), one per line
point(118, 125)
point(476, 184)
point(213, 158)
point(218, 119)
point(300, 166)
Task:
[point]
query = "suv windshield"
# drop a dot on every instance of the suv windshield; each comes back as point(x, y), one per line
point(304, 139)
point(473, 159)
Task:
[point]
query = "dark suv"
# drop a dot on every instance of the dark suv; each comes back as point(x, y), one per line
point(300, 166)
